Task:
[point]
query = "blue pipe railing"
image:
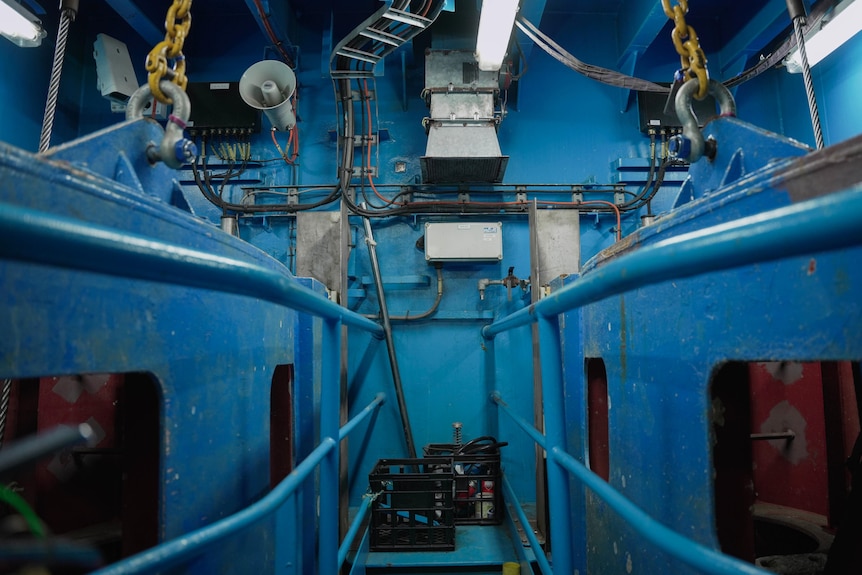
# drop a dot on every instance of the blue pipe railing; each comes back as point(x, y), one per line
point(41, 238)
point(509, 495)
point(361, 416)
point(819, 225)
point(690, 552)
point(534, 433)
point(174, 552)
point(344, 549)
point(37, 237)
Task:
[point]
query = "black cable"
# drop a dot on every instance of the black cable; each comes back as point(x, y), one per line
point(210, 194)
point(598, 73)
point(818, 11)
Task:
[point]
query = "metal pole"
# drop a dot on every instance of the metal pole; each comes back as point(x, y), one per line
point(788, 435)
point(560, 504)
point(330, 392)
point(27, 451)
point(390, 344)
point(797, 15)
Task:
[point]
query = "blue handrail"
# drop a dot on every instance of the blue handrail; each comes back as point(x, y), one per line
point(38, 237)
point(689, 552)
point(362, 415)
point(176, 551)
point(534, 433)
point(344, 549)
point(509, 495)
point(819, 225)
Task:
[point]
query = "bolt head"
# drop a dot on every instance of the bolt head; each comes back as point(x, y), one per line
point(186, 150)
point(679, 147)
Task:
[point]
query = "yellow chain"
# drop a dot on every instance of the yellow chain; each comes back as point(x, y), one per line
point(691, 55)
point(177, 25)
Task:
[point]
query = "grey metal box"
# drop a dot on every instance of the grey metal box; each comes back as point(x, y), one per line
point(463, 241)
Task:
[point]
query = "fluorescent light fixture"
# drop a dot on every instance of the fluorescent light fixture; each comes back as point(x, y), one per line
point(495, 28)
point(844, 23)
point(19, 26)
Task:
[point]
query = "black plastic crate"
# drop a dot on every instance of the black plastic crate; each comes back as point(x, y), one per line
point(478, 492)
point(414, 508)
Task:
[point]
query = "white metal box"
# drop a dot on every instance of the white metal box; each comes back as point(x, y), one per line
point(116, 75)
point(463, 241)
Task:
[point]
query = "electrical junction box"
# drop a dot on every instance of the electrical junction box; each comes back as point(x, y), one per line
point(116, 75)
point(463, 241)
point(218, 107)
point(651, 111)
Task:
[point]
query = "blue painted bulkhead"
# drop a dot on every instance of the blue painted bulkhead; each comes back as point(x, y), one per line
point(213, 354)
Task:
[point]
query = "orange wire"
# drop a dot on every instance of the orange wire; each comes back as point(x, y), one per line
point(368, 162)
point(292, 138)
point(615, 207)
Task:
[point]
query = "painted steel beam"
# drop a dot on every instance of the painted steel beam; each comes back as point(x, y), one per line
point(638, 26)
point(274, 22)
point(753, 36)
point(139, 22)
point(533, 12)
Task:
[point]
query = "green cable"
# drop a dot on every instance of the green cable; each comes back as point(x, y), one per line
point(17, 503)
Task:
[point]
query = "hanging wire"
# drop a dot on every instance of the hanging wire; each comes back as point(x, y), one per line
point(798, 22)
point(5, 394)
point(67, 16)
point(598, 73)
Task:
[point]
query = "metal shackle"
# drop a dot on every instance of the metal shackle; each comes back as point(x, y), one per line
point(691, 145)
point(175, 148)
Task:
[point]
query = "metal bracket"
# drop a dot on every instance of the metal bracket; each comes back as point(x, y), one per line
point(406, 194)
point(360, 140)
point(292, 196)
point(463, 197)
point(619, 198)
point(361, 171)
point(359, 96)
point(520, 194)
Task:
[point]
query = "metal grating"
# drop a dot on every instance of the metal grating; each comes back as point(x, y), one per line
point(453, 170)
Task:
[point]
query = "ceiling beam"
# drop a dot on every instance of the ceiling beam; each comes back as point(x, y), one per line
point(638, 26)
point(753, 36)
point(131, 13)
point(277, 18)
point(532, 11)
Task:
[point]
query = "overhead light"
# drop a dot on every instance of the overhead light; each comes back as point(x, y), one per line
point(495, 28)
point(19, 26)
point(844, 23)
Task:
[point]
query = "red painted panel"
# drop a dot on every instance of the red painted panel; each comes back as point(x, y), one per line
point(76, 489)
point(789, 395)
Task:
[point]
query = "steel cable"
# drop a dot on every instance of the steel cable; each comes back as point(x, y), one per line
point(809, 83)
point(67, 15)
point(4, 408)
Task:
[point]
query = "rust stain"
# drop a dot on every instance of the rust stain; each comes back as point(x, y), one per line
point(812, 266)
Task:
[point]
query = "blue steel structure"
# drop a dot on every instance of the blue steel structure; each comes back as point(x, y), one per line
point(111, 264)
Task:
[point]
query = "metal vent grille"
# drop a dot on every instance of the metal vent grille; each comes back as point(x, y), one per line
point(450, 170)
